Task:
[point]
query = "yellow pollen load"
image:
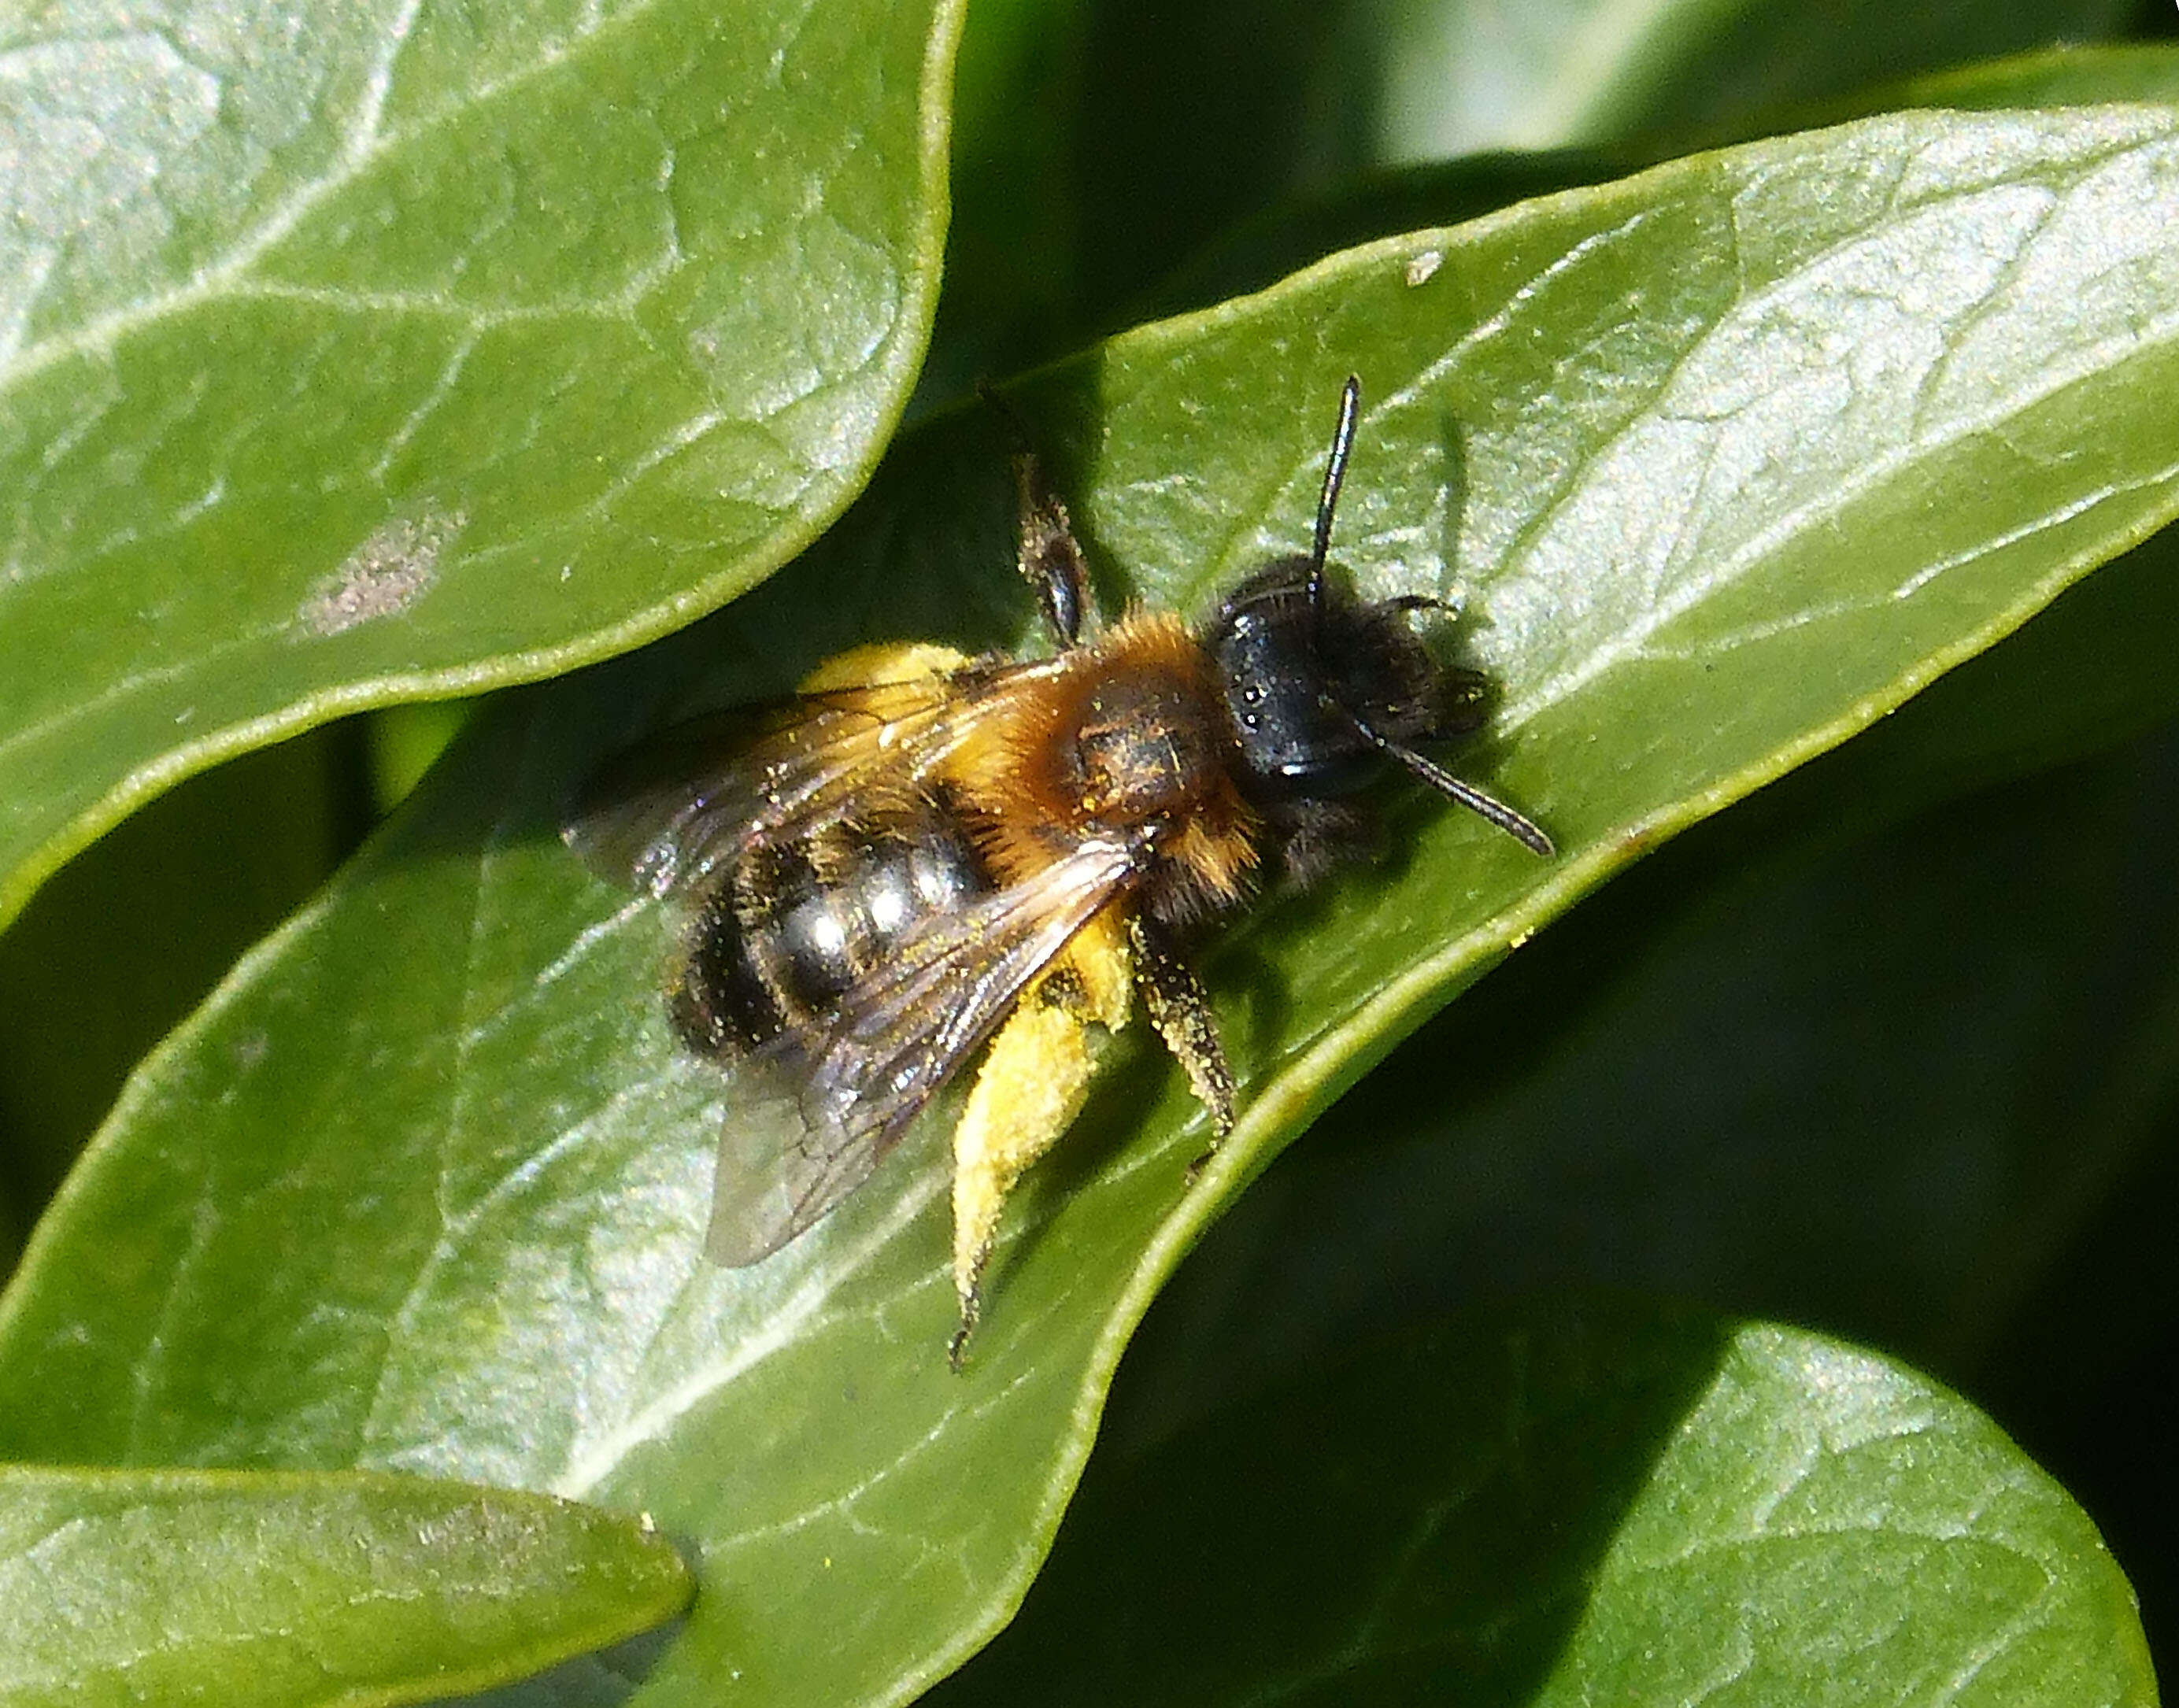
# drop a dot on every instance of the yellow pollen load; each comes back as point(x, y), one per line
point(1036, 1070)
point(1034, 1079)
point(882, 662)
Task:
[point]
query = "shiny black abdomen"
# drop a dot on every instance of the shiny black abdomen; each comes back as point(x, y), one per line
point(800, 923)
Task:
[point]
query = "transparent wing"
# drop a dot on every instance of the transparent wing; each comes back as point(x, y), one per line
point(667, 813)
point(777, 1173)
point(825, 1110)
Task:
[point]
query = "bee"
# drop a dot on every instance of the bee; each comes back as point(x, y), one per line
point(923, 855)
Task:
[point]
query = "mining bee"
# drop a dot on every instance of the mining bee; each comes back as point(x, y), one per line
point(922, 855)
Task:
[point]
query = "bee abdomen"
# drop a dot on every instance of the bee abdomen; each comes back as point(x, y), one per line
point(802, 923)
point(719, 1002)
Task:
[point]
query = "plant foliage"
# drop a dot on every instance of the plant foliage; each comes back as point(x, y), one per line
point(405, 353)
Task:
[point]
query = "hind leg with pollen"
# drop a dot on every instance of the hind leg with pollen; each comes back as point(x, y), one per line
point(1035, 1079)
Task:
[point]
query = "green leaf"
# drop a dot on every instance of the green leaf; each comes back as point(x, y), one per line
point(2089, 675)
point(1256, 250)
point(128, 938)
point(2066, 76)
point(1099, 147)
point(1012, 240)
point(254, 1590)
point(1461, 77)
point(1572, 1504)
point(1876, 1081)
point(1701, 70)
point(1722, 462)
point(1860, 1053)
point(405, 352)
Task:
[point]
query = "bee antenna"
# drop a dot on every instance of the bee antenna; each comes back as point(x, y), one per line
point(1335, 477)
point(1492, 812)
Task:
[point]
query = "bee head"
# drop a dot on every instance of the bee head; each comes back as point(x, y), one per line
point(1322, 688)
point(1317, 683)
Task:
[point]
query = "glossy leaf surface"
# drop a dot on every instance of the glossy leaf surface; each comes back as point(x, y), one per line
point(379, 350)
point(1853, 1058)
point(278, 1592)
point(1862, 1054)
point(1721, 462)
point(1579, 1503)
point(1254, 252)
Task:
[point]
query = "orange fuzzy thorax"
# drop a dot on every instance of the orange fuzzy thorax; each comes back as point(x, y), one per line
point(1131, 731)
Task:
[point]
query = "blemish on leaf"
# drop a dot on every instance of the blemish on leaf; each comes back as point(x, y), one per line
point(389, 572)
point(1422, 268)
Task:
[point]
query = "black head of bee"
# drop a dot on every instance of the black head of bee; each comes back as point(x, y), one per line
point(1324, 689)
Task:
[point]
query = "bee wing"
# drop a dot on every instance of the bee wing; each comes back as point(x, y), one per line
point(667, 813)
point(831, 1106)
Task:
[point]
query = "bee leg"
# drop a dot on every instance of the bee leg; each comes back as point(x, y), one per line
point(1032, 1085)
point(1033, 1081)
point(1319, 837)
point(1047, 553)
point(1181, 1011)
point(957, 1345)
